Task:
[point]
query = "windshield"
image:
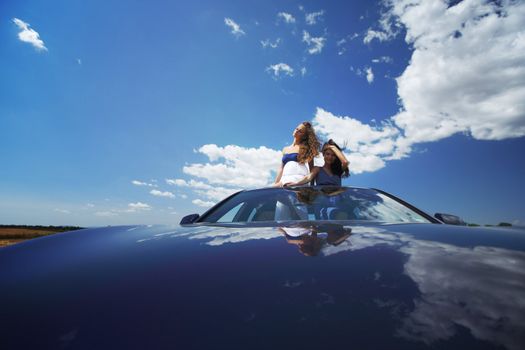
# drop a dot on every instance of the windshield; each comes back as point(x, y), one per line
point(311, 203)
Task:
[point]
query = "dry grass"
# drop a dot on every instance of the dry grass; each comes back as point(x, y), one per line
point(6, 242)
point(14, 234)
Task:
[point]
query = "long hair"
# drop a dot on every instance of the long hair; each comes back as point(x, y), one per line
point(309, 146)
point(306, 195)
point(337, 166)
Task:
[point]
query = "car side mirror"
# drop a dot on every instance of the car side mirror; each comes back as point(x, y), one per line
point(189, 219)
point(450, 219)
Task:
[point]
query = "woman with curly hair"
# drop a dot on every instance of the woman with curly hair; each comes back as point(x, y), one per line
point(335, 167)
point(298, 158)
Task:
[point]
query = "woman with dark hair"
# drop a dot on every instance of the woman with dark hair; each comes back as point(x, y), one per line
point(335, 167)
point(298, 158)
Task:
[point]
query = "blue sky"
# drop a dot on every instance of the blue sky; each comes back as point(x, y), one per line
point(127, 112)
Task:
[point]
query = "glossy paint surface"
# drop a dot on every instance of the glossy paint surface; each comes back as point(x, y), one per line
point(402, 286)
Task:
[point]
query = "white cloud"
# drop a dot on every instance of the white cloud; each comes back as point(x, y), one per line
point(361, 163)
point(62, 211)
point(90, 205)
point(202, 203)
point(199, 187)
point(341, 43)
point(311, 18)
point(236, 166)
point(29, 35)
point(467, 71)
point(232, 168)
point(268, 43)
point(235, 28)
point(383, 59)
point(162, 194)
point(389, 28)
point(216, 193)
point(466, 74)
point(315, 44)
point(139, 206)
point(367, 146)
point(366, 72)
point(177, 182)
point(280, 68)
point(140, 183)
point(286, 17)
point(303, 71)
point(369, 75)
point(349, 37)
point(373, 34)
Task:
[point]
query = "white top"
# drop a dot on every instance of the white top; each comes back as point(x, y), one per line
point(294, 171)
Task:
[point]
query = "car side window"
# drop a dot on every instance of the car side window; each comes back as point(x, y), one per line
point(263, 212)
point(298, 204)
point(230, 214)
point(249, 211)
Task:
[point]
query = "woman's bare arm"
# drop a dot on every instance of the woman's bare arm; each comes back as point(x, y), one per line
point(341, 156)
point(278, 177)
point(312, 168)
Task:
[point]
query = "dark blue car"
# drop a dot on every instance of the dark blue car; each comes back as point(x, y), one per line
point(289, 268)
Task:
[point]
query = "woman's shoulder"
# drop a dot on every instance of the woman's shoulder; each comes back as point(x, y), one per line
point(316, 169)
point(290, 149)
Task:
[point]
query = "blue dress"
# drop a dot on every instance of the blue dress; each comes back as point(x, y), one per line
point(323, 178)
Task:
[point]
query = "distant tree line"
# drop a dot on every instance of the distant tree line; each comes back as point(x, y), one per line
point(44, 228)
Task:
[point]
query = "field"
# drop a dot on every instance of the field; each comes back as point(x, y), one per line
point(11, 234)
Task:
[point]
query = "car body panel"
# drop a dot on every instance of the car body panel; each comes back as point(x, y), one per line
point(406, 286)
